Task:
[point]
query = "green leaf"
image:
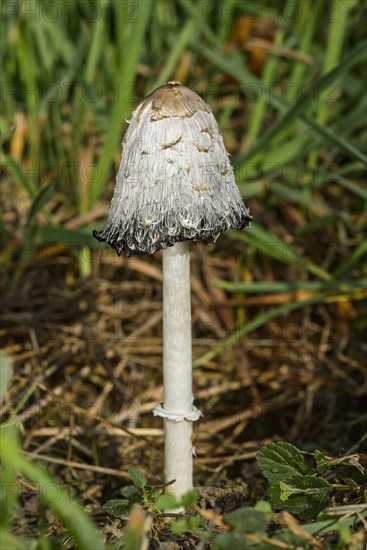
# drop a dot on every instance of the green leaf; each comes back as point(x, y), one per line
point(234, 541)
point(344, 535)
point(264, 507)
point(137, 477)
point(190, 524)
point(247, 520)
point(349, 470)
point(167, 501)
point(179, 527)
point(304, 496)
point(320, 457)
point(5, 373)
point(281, 461)
point(190, 498)
point(131, 492)
point(40, 200)
point(118, 507)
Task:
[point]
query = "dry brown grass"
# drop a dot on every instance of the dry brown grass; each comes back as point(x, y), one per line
point(87, 372)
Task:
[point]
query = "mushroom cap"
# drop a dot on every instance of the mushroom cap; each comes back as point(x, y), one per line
point(175, 181)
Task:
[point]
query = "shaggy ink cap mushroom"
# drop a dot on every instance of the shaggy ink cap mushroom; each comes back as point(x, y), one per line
point(175, 182)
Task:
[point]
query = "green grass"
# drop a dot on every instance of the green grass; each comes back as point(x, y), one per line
point(77, 82)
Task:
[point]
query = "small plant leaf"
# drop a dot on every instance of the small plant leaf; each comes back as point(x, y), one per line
point(131, 492)
point(167, 501)
point(346, 468)
point(304, 496)
point(118, 507)
point(320, 457)
point(350, 471)
point(190, 498)
point(322, 462)
point(344, 535)
point(190, 524)
point(234, 541)
point(281, 461)
point(264, 507)
point(247, 520)
point(137, 477)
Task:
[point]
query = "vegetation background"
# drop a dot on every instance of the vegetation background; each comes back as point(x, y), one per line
point(279, 310)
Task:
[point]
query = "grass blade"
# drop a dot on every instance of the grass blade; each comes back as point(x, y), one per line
point(13, 167)
point(299, 109)
point(284, 286)
point(333, 139)
point(174, 56)
point(5, 373)
point(268, 75)
point(39, 201)
point(78, 523)
point(357, 253)
point(257, 322)
point(314, 90)
point(351, 186)
point(276, 248)
point(58, 234)
point(122, 109)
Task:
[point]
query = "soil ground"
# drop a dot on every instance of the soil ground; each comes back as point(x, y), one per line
point(87, 359)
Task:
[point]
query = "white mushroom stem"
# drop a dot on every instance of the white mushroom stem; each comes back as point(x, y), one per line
point(177, 353)
point(178, 410)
